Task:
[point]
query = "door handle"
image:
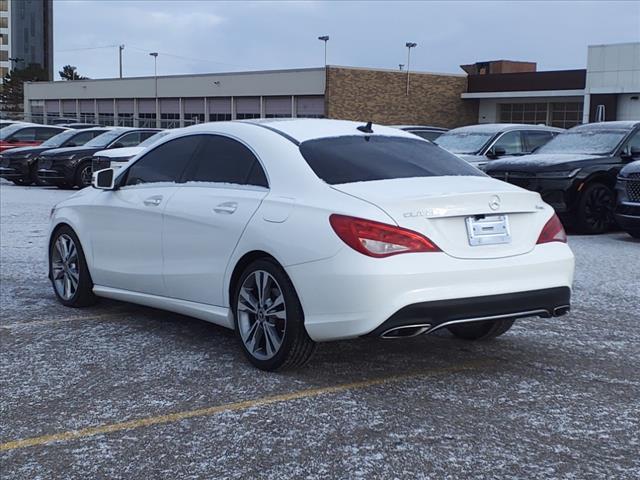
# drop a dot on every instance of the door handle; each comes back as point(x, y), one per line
point(226, 207)
point(153, 201)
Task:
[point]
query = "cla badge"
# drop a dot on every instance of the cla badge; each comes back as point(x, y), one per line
point(494, 202)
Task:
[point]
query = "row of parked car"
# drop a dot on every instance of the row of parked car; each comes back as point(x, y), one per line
point(581, 172)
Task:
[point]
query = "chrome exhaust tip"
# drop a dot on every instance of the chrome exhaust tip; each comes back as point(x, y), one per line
point(406, 331)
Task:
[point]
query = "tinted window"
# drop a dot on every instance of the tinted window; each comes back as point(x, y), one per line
point(634, 142)
point(164, 163)
point(46, 133)
point(464, 142)
point(24, 135)
point(360, 158)
point(223, 160)
point(511, 142)
point(81, 139)
point(535, 139)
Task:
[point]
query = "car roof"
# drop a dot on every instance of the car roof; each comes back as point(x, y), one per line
point(303, 129)
point(504, 127)
point(420, 127)
point(618, 125)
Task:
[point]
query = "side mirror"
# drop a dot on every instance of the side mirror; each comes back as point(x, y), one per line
point(104, 179)
point(496, 152)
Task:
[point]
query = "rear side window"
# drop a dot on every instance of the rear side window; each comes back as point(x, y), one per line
point(80, 139)
point(224, 160)
point(166, 163)
point(358, 158)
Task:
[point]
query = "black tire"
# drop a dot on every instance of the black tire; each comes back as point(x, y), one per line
point(481, 330)
point(296, 347)
point(81, 172)
point(595, 209)
point(83, 295)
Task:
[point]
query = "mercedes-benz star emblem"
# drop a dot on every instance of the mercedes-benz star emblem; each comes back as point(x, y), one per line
point(494, 202)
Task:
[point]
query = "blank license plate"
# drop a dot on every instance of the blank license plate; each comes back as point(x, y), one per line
point(488, 230)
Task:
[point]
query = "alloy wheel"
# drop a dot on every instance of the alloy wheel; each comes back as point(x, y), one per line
point(85, 176)
point(64, 267)
point(262, 315)
point(598, 209)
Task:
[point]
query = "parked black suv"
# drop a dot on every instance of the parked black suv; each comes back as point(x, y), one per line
point(20, 164)
point(69, 167)
point(576, 171)
point(628, 207)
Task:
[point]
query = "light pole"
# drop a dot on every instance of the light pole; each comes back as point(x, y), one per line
point(120, 48)
point(325, 39)
point(155, 76)
point(409, 46)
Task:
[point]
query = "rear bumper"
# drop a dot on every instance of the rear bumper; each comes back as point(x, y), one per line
point(351, 295)
point(431, 316)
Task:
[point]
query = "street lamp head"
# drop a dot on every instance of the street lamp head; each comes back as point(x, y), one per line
point(154, 54)
point(324, 38)
point(411, 44)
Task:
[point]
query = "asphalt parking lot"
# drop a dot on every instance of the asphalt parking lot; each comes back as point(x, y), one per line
point(120, 391)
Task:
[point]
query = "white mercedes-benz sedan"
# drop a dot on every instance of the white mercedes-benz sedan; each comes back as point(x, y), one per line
point(299, 231)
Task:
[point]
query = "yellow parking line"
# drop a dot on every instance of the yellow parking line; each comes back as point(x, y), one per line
point(229, 407)
point(11, 326)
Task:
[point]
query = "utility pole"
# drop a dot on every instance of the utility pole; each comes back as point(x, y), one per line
point(409, 46)
point(120, 48)
point(325, 39)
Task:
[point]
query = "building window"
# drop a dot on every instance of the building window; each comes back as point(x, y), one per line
point(193, 118)
point(4, 5)
point(125, 119)
point(246, 116)
point(4, 22)
point(105, 119)
point(219, 117)
point(310, 116)
point(566, 114)
point(529, 113)
point(147, 120)
point(169, 120)
point(277, 115)
point(4, 39)
point(4, 56)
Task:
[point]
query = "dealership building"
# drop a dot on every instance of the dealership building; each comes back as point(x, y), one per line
point(487, 92)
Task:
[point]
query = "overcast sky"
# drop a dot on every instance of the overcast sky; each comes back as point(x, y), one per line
point(207, 36)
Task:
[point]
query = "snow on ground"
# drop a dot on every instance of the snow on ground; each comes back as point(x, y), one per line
point(551, 399)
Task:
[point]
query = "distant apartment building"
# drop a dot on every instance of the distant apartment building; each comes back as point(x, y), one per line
point(26, 35)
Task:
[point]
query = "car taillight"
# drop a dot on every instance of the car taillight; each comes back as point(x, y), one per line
point(376, 239)
point(553, 231)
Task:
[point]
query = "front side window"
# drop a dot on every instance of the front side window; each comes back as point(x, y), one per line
point(510, 142)
point(224, 160)
point(46, 133)
point(535, 139)
point(468, 143)
point(60, 139)
point(128, 140)
point(81, 138)
point(585, 141)
point(104, 139)
point(366, 158)
point(166, 163)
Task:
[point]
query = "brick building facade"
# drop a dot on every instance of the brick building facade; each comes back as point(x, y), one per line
point(381, 96)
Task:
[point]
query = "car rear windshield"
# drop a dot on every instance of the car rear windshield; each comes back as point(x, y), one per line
point(589, 142)
point(359, 158)
point(464, 142)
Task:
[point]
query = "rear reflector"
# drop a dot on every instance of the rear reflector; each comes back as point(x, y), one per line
point(376, 239)
point(553, 231)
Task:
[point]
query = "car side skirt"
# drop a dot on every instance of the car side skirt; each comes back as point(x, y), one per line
point(210, 313)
